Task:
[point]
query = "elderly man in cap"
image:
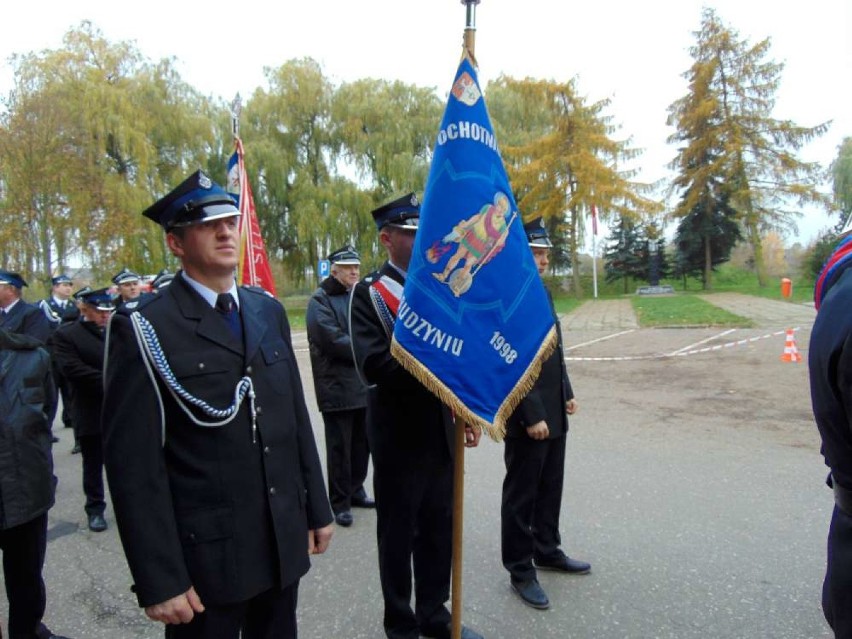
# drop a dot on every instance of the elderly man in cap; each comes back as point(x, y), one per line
point(27, 482)
point(78, 349)
point(129, 290)
point(211, 460)
point(341, 395)
point(16, 316)
point(535, 464)
point(410, 434)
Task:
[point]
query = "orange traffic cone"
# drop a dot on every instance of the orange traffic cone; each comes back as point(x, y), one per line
point(791, 352)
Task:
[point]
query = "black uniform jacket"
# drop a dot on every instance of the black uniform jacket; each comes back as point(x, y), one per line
point(58, 315)
point(78, 350)
point(210, 507)
point(830, 366)
point(407, 425)
point(336, 381)
point(546, 400)
point(27, 319)
point(27, 398)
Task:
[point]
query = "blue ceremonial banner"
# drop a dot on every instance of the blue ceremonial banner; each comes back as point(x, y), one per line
point(474, 322)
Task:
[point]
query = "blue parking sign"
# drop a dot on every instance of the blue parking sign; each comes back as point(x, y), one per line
point(324, 268)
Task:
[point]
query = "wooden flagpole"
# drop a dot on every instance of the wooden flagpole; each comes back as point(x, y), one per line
point(458, 469)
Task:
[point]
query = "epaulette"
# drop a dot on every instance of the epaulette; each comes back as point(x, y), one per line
point(126, 308)
point(370, 278)
point(51, 315)
point(256, 289)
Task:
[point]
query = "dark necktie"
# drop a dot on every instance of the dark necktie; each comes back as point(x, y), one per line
point(227, 307)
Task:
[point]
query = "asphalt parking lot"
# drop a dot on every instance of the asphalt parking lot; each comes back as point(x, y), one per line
point(694, 486)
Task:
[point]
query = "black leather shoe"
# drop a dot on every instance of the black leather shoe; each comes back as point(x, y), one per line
point(444, 633)
point(54, 439)
point(344, 518)
point(97, 523)
point(566, 564)
point(76, 449)
point(363, 502)
point(531, 593)
point(51, 636)
point(43, 632)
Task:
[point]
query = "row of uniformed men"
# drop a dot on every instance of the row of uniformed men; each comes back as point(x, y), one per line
point(225, 509)
point(77, 352)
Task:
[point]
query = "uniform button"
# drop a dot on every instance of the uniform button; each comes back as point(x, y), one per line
point(272, 490)
point(276, 353)
point(249, 370)
point(259, 410)
point(201, 366)
point(266, 450)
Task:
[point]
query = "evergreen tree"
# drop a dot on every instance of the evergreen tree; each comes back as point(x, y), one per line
point(562, 157)
point(706, 235)
point(625, 253)
point(729, 133)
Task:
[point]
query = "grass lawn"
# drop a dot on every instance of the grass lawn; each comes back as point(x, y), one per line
point(296, 306)
point(683, 310)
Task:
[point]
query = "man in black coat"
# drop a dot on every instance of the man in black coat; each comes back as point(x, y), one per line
point(78, 349)
point(212, 465)
point(16, 316)
point(341, 395)
point(830, 369)
point(410, 434)
point(27, 483)
point(60, 308)
point(535, 464)
point(127, 283)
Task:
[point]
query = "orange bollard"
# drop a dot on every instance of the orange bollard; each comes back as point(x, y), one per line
point(791, 351)
point(786, 287)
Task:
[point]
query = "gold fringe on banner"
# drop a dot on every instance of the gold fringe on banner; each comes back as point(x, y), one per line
point(497, 430)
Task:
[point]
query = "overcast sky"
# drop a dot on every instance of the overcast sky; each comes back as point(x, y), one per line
point(633, 53)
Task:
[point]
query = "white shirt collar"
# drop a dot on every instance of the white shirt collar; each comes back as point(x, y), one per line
point(209, 294)
point(12, 305)
point(398, 270)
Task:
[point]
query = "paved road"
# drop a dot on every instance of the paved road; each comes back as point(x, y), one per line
point(694, 487)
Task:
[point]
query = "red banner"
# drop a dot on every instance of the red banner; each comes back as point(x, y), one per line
point(254, 267)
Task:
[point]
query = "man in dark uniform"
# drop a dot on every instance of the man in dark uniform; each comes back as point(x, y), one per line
point(830, 369)
point(129, 291)
point(535, 464)
point(78, 350)
point(341, 395)
point(27, 483)
point(212, 465)
point(60, 308)
point(410, 434)
point(16, 316)
point(161, 280)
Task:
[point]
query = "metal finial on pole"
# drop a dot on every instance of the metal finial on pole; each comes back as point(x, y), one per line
point(236, 109)
point(470, 28)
